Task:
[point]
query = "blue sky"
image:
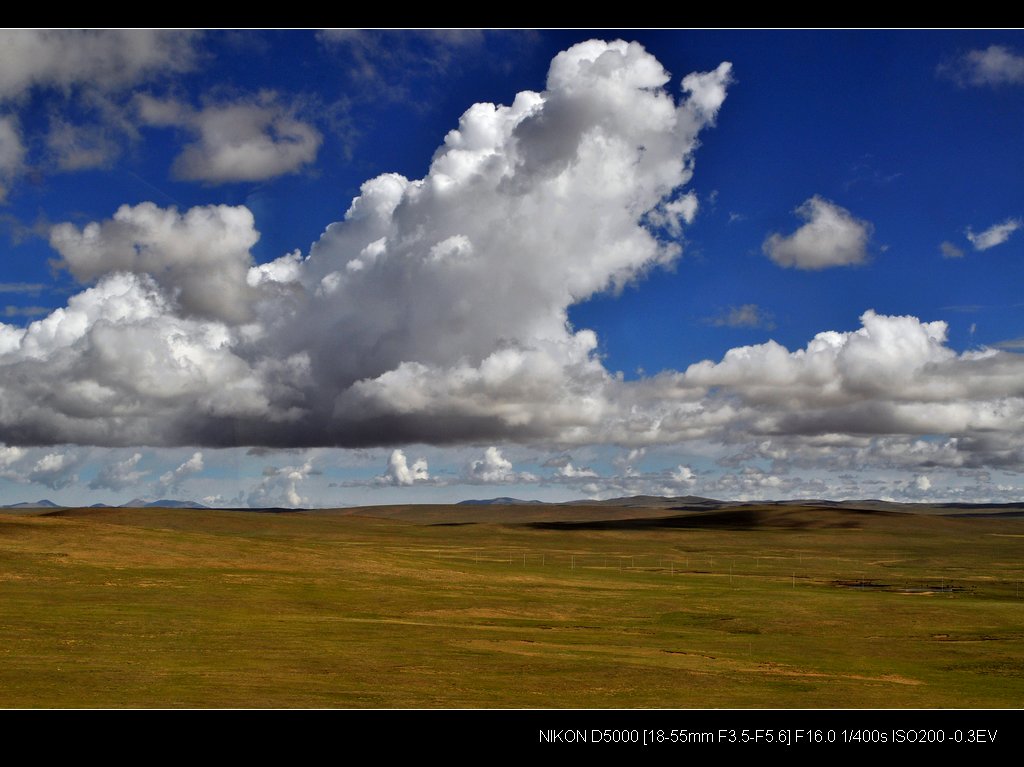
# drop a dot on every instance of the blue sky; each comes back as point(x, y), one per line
point(343, 267)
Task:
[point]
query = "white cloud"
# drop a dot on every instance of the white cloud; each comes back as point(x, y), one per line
point(683, 475)
point(996, 234)
point(949, 250)
point(280, 487)
point(494, 468)
point(12, 154)
point(193, 465)
point(31, 288)
point(244, 140)
point(399, 472)
point(566, 470)
point(922, 483)
point(894, 376)
point(674, 214)
point(201, 258)
point(627, 462)
point(117, 366)
point(10, 455)
point(55, 470)
point(99, 58)
point(745, 316)
point(707, 89)
point(119, 475)
point(284, 270)
point(25, 311)
point(571, 472)
point(79, 147)
point(993, 66)
point(831, 237)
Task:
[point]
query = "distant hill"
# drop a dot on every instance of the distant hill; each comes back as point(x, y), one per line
point(42, 504)
point(655, 501)
point(617, 507)
point(163, 503)
point(644, 501)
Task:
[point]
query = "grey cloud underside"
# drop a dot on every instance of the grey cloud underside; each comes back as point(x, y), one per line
point(379, 431)
point(436, 310)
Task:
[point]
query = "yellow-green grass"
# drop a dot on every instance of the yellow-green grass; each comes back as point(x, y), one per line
point(414, 607)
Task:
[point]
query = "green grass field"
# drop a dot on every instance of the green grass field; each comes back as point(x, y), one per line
point(521, 607)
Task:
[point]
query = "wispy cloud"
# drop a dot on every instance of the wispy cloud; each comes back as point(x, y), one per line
point(193, 465)
point(26, 311)
point(994, 66)
point(29, 288)
point(12, 153)
point(996, 234)
point(120, 474)
point(949, 250)
point(388, 62)
point(1012, 344)
point(745, 316)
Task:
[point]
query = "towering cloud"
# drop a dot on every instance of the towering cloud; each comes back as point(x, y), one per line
point(435, 311)
point(280, 486)
point(399, 472)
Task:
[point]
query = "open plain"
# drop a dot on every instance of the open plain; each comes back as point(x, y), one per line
point(773, 606)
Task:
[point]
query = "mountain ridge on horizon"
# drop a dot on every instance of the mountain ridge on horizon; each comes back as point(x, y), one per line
point(681, 503)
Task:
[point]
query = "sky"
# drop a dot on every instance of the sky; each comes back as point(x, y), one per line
point(341, 267)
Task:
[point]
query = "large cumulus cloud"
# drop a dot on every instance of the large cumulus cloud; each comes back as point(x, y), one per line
point(895, 376)
point(435, 310)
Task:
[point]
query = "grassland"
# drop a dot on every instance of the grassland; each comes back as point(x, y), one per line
point(510, 607)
